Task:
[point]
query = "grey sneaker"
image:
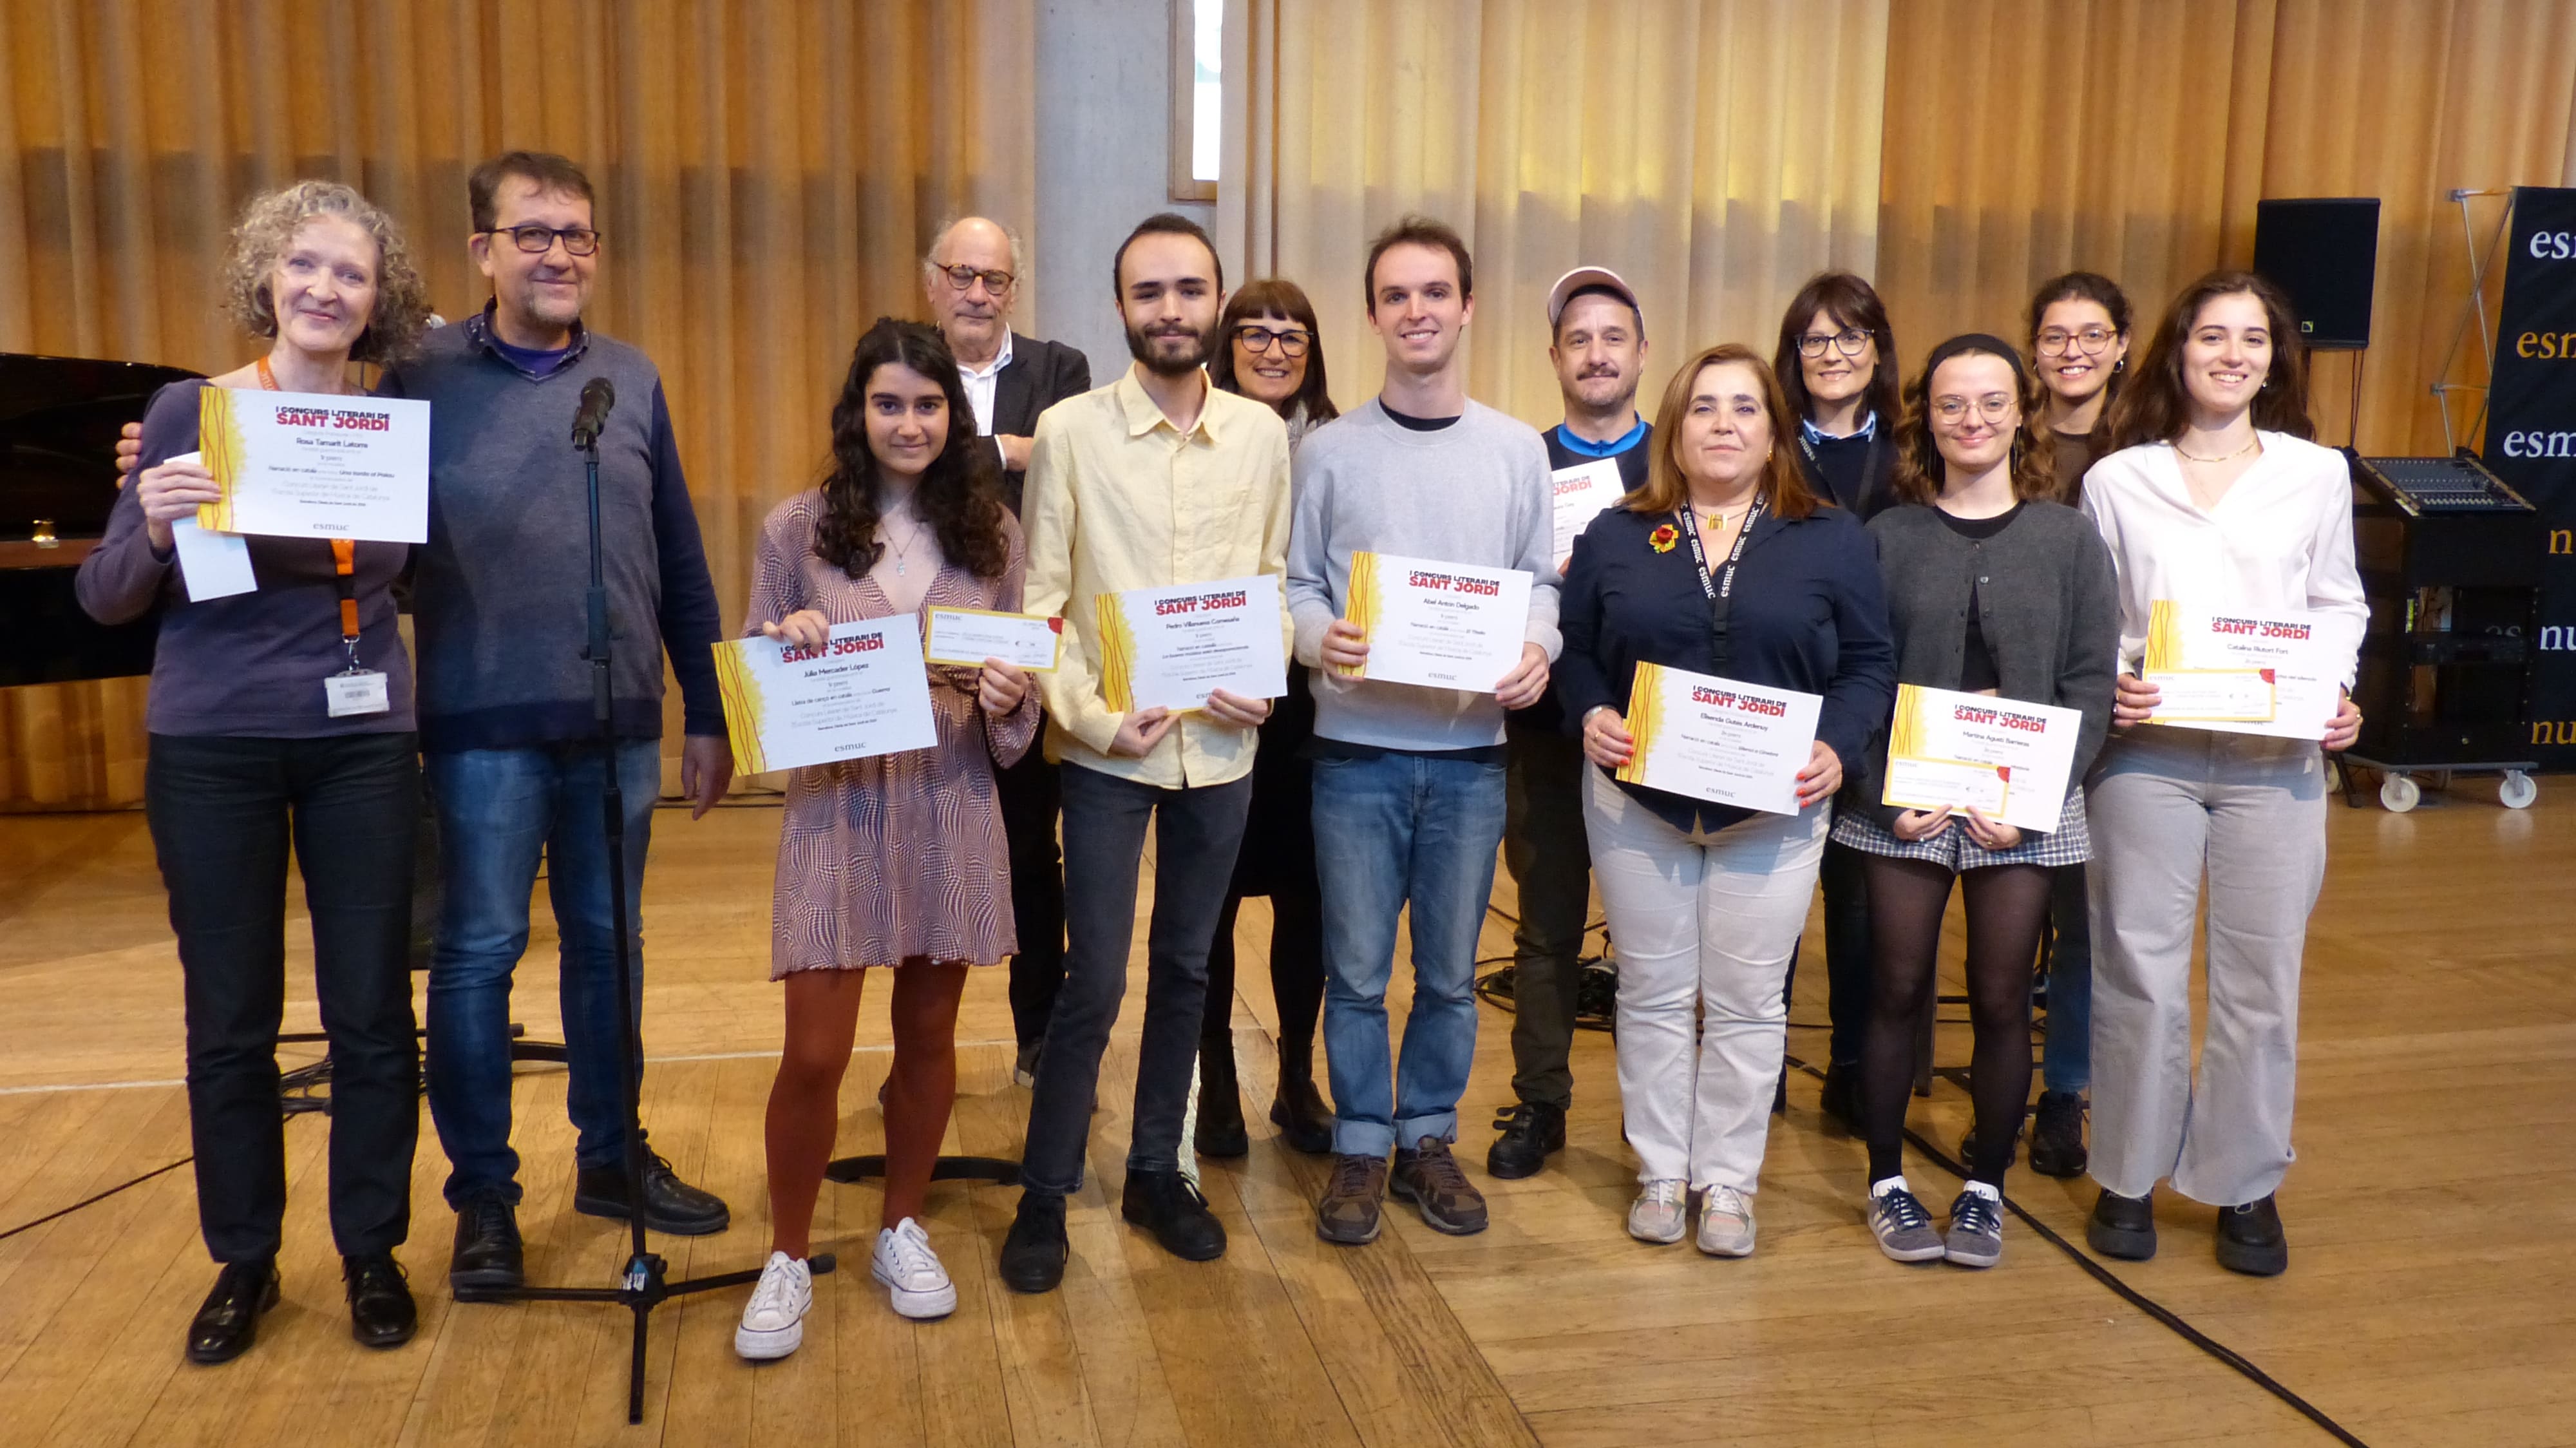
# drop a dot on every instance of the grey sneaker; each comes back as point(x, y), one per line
point(1662, 1211)
point(1725, 1223)
point(1903, 1228)
point(1349, 1210)
point(1976, 1237)
point(1429, 1177)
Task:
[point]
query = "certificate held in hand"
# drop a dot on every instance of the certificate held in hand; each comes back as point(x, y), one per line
point(1578, 495)
point(1169, 648)
point(1440, 625)
point(315, 465)
point(2242, 673)
point(2006, 759)
point(1718, 739)
point(865, 692)
point(966, 637)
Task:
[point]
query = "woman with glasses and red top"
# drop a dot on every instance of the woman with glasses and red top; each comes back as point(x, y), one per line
point(2079, 339)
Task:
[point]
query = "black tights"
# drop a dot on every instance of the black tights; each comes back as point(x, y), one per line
point(2006, 906)
point(1296, 984)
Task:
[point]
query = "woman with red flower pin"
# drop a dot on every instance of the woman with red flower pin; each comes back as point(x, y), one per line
point(1723, 563)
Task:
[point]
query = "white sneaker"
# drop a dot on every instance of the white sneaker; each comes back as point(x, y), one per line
point(773, 1322)
point(911, 1271)
point(1662, 1212)
point(1725, 1223)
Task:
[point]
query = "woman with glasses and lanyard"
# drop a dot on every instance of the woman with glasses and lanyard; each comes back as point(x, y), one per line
point(1723, 563)
point(2079, 334)
point(2216, 499)
point(1273, 353)
point(1991, 589)
point(1836, 361)
point(282, 713)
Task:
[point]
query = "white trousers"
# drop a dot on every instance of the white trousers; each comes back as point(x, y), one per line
point(1704, 925)
point(2171, 808)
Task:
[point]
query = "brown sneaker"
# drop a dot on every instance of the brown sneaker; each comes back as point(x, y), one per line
point(1349, 1210)
point(1430, 1178)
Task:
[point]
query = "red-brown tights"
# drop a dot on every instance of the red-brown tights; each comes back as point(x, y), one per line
point(805, 1100)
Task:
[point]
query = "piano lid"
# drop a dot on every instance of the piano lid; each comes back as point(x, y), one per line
point(59, 417)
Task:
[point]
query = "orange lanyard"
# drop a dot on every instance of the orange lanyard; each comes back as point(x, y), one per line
point(344, 557)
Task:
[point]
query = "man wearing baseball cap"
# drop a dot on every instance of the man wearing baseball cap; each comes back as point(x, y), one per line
point(1598, 343)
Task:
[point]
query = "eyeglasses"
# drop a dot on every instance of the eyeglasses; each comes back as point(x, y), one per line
point(1257, 339)
point(2092, 341)
point(1849, 341)
point(961, 278)
point(1993, 407)
point(538, 240)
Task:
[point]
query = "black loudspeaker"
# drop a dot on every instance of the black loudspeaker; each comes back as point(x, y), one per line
point(2324, 253)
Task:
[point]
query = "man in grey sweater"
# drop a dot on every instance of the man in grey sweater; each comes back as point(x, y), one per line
point(1408, 783)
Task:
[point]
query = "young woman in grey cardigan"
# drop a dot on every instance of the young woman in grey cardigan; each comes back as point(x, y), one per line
point(1994, 588)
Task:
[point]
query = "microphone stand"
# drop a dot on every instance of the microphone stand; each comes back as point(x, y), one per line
point(642, 1287)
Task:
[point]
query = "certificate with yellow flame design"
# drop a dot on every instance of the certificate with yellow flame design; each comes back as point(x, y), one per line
point(1439, 625)
point(865, 692)
point(2240, 672)
point(2007, 759)
point(1720, 740)
point(315, 465)
point(1172, 647)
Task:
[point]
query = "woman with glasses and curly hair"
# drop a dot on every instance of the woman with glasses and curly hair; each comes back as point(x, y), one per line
point(2218, 499)
point(1270, 350)
point(896, 860)
point(1992, 588)
point(250, 751)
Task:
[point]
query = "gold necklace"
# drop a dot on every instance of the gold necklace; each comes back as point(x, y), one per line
point(2250, 444)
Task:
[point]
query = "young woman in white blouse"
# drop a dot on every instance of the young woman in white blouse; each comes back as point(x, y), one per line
point(2214, 497)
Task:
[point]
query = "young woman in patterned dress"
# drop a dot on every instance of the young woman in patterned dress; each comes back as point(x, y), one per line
point(896, 860)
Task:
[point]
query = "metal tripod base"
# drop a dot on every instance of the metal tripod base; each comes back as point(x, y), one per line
point(949, 1169)
point(640, 1290)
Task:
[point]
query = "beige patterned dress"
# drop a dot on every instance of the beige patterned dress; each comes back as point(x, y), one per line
point(899, 857)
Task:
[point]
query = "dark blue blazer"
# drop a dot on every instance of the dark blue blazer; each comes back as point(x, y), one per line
point(1807, 613)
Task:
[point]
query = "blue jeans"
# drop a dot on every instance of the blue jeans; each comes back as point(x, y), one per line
point(498, 811)
point(1395, 830)
point(2066, 1055)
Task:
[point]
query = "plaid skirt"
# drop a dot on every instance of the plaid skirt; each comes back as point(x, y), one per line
point(2066, 845)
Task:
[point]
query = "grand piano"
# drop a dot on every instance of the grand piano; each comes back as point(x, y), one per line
point(59, 418)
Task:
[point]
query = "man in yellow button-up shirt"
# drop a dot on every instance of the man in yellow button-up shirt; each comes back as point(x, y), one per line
point(1155, 480)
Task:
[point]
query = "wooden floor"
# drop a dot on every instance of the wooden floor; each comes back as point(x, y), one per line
point(2432, 1299)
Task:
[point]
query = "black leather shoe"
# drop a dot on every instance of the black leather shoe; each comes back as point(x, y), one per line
point(2057, 1135)
point(1220, 1130)
point(1034, 1252)
point(487, 1257)
point(1304, 1121)
point(2250, 1239)
point(1841, 1096)
point(381, 1313)
point(2123, 1227)
point(670, 1204)
point(227, 1322)
point(1165, 1203)
point(1530, 1131)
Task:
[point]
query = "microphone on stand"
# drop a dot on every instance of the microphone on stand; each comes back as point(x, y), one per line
point(598, 396)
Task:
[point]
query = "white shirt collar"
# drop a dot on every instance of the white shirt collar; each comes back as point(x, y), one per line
point(1000, 360)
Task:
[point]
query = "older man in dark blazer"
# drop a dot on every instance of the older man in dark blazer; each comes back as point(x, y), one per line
point(971, 276)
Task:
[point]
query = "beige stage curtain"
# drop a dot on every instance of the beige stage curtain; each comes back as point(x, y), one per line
point(1714, 154)
point(2133, 137)
point(768, 172)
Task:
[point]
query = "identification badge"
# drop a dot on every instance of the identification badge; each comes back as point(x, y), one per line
point(360, 692)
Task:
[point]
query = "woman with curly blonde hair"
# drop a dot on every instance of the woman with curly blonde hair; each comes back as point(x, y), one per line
point(250, 750)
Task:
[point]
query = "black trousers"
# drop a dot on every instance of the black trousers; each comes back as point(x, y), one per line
point(1849, 982)
point(1031, 794)
point(222, 813)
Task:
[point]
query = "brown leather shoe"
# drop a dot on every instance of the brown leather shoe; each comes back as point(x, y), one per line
point(1429, 1177)
point(1348, 1212)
